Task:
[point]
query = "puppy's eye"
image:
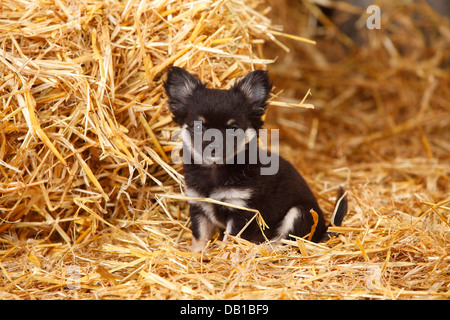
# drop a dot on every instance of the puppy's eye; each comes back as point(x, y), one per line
point(233, 127)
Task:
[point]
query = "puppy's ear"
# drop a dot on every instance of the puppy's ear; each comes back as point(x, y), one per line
point(179, 86)
point(255, 87)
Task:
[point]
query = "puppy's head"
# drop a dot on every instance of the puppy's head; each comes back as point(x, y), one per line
point(217, 114)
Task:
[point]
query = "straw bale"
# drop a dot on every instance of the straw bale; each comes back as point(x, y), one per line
point(91, 206)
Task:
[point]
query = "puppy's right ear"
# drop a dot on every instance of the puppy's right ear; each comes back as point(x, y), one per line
point(179, 86)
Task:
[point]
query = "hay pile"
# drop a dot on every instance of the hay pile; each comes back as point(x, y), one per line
point(87, 208)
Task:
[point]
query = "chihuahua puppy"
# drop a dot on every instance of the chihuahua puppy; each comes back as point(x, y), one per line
point(218, 167)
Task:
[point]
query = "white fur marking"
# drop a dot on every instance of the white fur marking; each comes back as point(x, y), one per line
point(192, 193)
point(228, 230)
point(233, 196)
point(206, 230)
point(287, 224)
point(198, 244)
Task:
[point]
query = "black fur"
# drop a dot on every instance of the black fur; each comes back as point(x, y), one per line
point(274, 196)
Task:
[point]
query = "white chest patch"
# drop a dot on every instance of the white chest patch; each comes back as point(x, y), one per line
point(235, 196)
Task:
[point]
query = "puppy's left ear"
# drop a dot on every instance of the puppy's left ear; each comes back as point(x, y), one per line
point(255, 87)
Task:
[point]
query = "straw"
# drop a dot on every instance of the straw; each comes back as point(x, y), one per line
point(91, 205)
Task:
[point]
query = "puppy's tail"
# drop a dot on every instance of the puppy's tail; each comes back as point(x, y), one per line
point(340, 210)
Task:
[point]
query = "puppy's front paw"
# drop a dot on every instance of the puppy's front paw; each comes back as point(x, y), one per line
point(198, 245)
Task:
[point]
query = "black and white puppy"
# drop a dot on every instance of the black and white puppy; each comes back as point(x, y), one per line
point(223, 162)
